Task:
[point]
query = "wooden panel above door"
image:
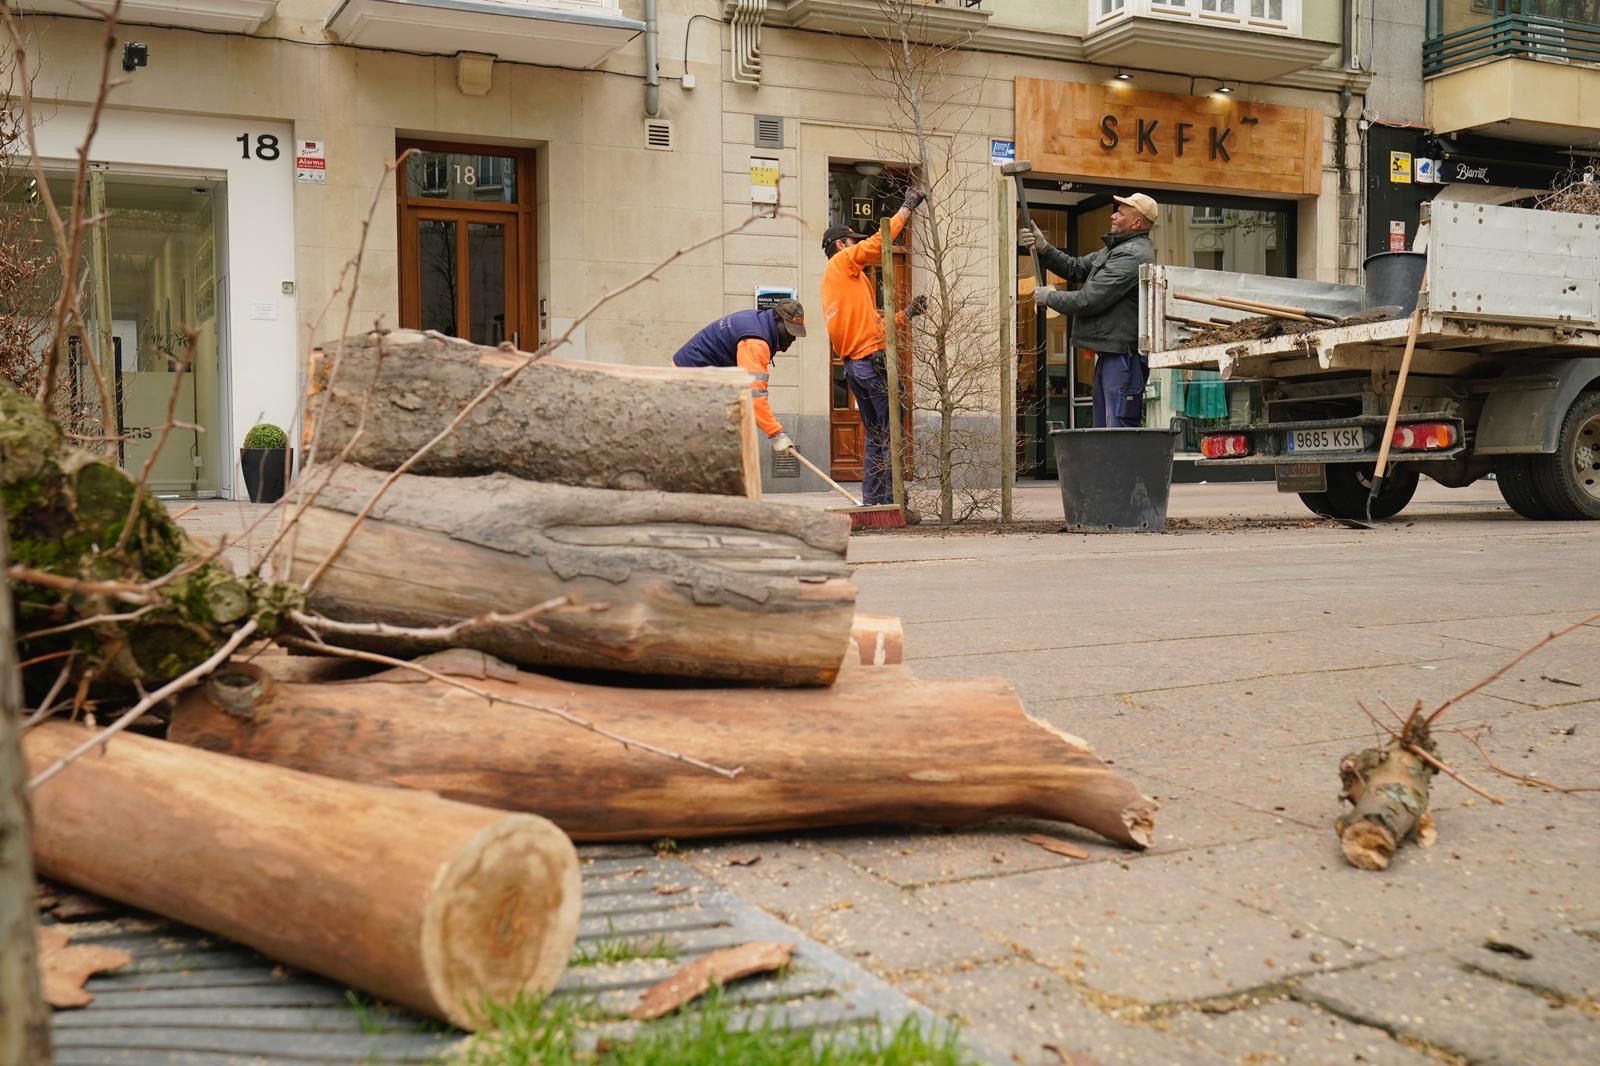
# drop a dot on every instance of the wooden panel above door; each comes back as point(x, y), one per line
point(1132, 138)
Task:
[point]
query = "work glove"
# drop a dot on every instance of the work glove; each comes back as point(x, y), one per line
point(918, 306)
point(914, 196)
point(781, 444)
point(1033, 239)
point(1041, 294)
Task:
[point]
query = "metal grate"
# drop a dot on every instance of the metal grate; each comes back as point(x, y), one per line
point(769, 131)
point(658, 136)
point(785, 465)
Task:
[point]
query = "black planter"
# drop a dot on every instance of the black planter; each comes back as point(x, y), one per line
point(266, 472)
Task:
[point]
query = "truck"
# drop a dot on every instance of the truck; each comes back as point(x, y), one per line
point(1504, 378)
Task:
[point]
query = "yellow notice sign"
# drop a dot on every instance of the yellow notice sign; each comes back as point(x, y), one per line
point(764, 174)
point(1400, 168)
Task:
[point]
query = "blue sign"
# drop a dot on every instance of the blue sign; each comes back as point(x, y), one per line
point(767, 296)
point(1002, 152)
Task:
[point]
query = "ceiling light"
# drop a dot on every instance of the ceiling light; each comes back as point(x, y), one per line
point(869, 170)
point(1224, 88)
point(1124, 75)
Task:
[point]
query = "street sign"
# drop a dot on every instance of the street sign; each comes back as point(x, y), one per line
point(1002, 152)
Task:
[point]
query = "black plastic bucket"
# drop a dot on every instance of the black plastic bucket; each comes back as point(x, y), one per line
point(1392, 279)
point(1115, 480)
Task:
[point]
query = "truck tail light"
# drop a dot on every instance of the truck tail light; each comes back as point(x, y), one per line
point(1423, 437)
point(1224, 445)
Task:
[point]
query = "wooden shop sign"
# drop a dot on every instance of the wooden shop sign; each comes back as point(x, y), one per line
point(1133, 137)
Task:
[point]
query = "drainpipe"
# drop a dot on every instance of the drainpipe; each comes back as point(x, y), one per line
point(652, 73)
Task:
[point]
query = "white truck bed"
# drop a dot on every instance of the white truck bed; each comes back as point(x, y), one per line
point(1502, 280)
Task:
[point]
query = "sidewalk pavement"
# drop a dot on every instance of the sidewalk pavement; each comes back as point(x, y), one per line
point(1224, 667)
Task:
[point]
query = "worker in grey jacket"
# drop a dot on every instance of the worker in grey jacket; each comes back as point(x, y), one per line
point(1105, 311)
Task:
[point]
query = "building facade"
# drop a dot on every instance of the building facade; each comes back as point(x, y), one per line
point(561, 148)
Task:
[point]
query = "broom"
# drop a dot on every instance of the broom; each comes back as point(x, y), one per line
point(876, 516)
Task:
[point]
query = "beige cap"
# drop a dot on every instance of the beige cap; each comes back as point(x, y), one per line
point(1142, 204)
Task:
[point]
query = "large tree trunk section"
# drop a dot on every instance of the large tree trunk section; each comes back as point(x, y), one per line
point(24, 1023)
point(65, 510)
point(598, 425)
point(710, 587)
point(422, 901)
point(878, 747)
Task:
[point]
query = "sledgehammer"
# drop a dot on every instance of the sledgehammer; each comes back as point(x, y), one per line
point(1016, 169)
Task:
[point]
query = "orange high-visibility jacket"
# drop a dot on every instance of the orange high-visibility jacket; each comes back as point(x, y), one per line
point(755, 359)
point(855, 326)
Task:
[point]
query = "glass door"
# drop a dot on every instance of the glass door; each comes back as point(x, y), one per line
point(466, 244)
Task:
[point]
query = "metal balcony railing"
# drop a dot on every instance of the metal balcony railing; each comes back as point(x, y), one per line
point(1563, 30)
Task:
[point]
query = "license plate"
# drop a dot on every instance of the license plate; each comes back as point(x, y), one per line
point(1343, 439)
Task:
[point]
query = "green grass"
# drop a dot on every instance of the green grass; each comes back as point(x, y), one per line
point(548, 1034)
point(620, 949)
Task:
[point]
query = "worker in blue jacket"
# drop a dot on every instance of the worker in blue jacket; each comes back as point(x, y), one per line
point(750, 340)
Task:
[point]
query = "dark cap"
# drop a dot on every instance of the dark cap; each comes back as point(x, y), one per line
point(838, 233)
point(792, 315)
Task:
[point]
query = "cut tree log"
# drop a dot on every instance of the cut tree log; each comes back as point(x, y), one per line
point(422, 901)
point(876, 640)
point(1387, 788)
point(711, 587)
point(597, 425)
point(880, 746)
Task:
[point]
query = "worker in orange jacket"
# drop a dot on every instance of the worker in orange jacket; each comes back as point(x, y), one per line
point(750, 340)
point(856, 331)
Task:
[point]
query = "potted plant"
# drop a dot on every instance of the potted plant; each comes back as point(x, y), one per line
point(266, 458)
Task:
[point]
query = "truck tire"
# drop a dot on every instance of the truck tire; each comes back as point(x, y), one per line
point(1349, 485)
point(1514, 475)
point(1568, 481)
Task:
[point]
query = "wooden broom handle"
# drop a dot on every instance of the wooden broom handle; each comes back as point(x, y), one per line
point(1400, 382)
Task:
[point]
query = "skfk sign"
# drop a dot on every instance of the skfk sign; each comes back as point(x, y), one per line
point(1145, 137)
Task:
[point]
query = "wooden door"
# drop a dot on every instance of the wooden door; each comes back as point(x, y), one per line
point(466, 243)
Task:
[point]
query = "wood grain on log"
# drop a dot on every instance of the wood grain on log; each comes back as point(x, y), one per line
point(880, 746)
point(712, 587)
point(599, 425)
point(422, 901)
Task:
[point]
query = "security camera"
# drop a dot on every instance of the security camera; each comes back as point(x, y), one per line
point(135, 55)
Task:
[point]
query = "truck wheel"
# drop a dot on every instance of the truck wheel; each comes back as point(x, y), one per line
point(1569, 480)
point(1514, 475)
point(1349, 484)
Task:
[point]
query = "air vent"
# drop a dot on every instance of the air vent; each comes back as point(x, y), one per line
point(785, 465)
point(658, 135)
point(769, 131)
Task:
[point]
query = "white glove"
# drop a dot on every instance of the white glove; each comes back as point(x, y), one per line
point(1040, 295)
point(1033, 238)
point(781, 443)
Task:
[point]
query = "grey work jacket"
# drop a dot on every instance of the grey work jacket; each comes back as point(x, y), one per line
point(1105, 311)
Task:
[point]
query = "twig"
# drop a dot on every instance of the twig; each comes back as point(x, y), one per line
point(509, 375)
point(1418, 751)
point(47, 705)
point(84, 623)
point(127, 593)
point(1472, 738)
point(566, 716)
point(440, 634)
point(137, 710)
point(1381, 725)
point(1523, 654)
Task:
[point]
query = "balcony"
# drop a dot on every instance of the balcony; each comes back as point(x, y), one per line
point(226, 16)
point(1237, 40)
point(1522, 69)
point(576, 34)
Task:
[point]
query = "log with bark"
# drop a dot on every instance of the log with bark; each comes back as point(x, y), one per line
point(422, 901)
point(596, 425)
point(66, 511)
point(1387, 789)
point(662, 584)
point(880, 746)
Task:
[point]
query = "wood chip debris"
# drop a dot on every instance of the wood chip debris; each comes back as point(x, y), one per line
point(670, 890)
point(1058, 847)
point(749, 859)
point(64, 966)
point(693, 980)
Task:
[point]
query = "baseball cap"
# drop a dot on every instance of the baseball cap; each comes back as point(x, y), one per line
point(838, 233)
point(792, 315)
point(1142, 204)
